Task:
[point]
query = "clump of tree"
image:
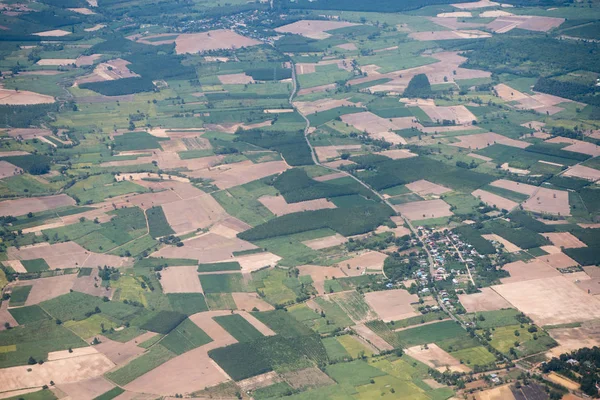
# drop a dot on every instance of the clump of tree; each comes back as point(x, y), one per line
point(418, 86)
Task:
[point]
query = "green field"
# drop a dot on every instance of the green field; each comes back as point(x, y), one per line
point(223, 283)
point(238, 327)
point(185, 337)
point(187, 303)
point(157, 223)
point(37, 265)
point(28, 314)
point(19, 295)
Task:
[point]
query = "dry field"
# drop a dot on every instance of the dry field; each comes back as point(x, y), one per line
point(7, 169)
point(494, 200)
point(48, 288)
point(311, 107)
point(476, 5)
point(87, 60)
point(23, 97)
point(371, 337)
point(249, 301)
point(211, 40)
point(53, 33)
point(83, 11)
point(226, 176)
point(309, 377)
point(506, 23)
point(119, 353)
point(423, 187)
point(549, 201)
point(309, 68)
point(74, 368)
point(278, 206)
point(459, 114)
point(397, 154)
point(328, 152)
point(94, 28)
point(577, 146)
point(515, 186)
point(558, 260)
point(561, 380)
point(235, 79)
point(89, 285)
point(66, 255)
point(551, 301)
point(455, 14)
point(253, 262)
point(508, 246)
point(325, 242)
point(564, 239)
point(392, 305)
point(87, 389)
point(570, 339)
point(206, 248)
point(329, 177)
point(5, 317)
point(482, 140)
point(195, 213)
point(486, 300)
point(182, 279)
point(108, 71)
point(497, 393)
point(313, 29)
point(540, 102)
point(347, 46)
point(316, 89)
point(371, 260)
point(449, 35)
point(494, 14)
point(583, 172)
point(190, 371)
point(380, 128)
point(522, 271)
point(435, 357)
point(320, 274)
point(56, 61)
point(426, 209)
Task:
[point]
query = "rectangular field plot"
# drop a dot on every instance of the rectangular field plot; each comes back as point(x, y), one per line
point(238, 327)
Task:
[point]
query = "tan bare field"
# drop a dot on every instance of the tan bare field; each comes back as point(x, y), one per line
point(190, 214)
point(551, 301)
point(54, 32)
point(212, 40)
point(521, 271)
point(190, 371)
point(87, 60)
point(278, 206)
point(253, 262)
point(497, 393)
point(320, 274)
point(570, 339)
point(435, 357)
point(371, 337)
point(87, 389)
point(397, 154)
point(494, 14)
point(588, 285)
point(577, 146)
point(15, 265)
point(329, 177)
point(83, 11)
point(226, 176)
point(539, 102)
point(311, 107)
point(564, 239)
point(378, 127)
point(425, 209)
point(371, 260)
point(90, 285)
point(316, 89)
point(551, 249)
point(67, 370)
point(313, 29)
point(5, 316)
point(494, 200)
point(449, 35)
point(230, 227)
point(66, 255)
point(558, 260)
point(561, 380)
point(7, 169)
point(515, 186)
point(392, 305)
point(259, 381)
point(508, 246)
point(327, 152)
point(119, 353)
point(307, 378)
point(182, 279)
point(486, 300)
point(28, 133)
point(94, 28)
point(459, 114)
point(583, 172)
point(423, 187)
point(23, 97)
point(56, 61)
point(482, 140)
point(347, 46)
point(48, 288)
point(507, 23)
point(13, 153)
point(206, 248)
point(338, 163)
point(590, 226)
point(549, 201)
point(455, 14)
point(518, 171)
point(476, 5)
point(235, 79)
point(108, 71)
point(249, 301)
point(325, 242)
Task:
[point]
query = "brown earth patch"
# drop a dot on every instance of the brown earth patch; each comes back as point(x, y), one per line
point(325, 153)
point(449, 35)
point(212, 40)
point(380, 128)
point(235, 79)
point(329, 177)
point(577, 146)
point(54, 33)
point(508, 246)
point(88, 389)
point(397, 154)
point(371, 337)
point(459, 114)
point(522, 271)
point(182, 279)
point(56, 61)
point(325, 242)
point(119, 353)
point(423, 187)
point(314, 29)
point(570, 339)
point(206, 248)
point(564, 239)
point(505, 23)
point(90, 284)
point(549, 201)
point(94, 28)
point(497, 393)
point(366, 262)
point(435, 357)
point(515, 186)
point(189, 215)
point(486, 300)
point(583, 172)
point(7, 169)
point(23, 97)
point(426, 209)
point(226, 176)
point(312, 107)
point(249, 301)
point(558, 260)
point(316, 89)
point(48, 288)
point(34, 204)
point(307, 378)
point(320, 274)
point(278, 206)
point(494, 200)
point(482, 140)
point(393, 305)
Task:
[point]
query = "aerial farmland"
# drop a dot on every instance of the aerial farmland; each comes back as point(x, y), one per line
point(299, 199)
